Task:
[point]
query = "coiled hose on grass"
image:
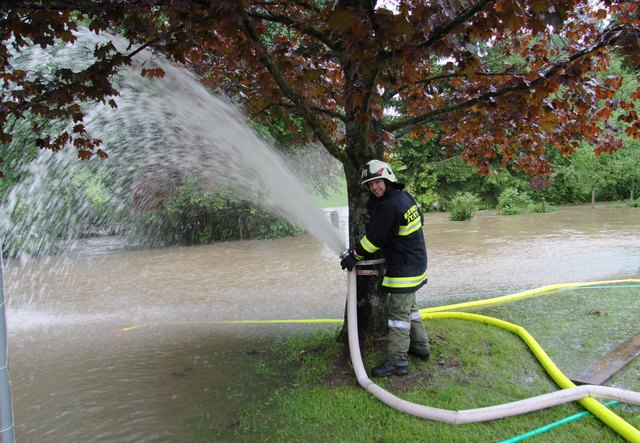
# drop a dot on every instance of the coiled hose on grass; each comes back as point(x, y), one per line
point(584, 394)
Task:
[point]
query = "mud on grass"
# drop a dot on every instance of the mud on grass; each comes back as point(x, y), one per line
point(341, 371)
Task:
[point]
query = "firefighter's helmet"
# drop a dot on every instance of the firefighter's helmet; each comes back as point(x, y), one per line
point(375, 169)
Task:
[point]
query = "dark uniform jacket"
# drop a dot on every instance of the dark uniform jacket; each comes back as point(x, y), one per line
point(395, 228)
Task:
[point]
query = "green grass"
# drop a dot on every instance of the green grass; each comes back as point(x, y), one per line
point(336, 198)
point(308, 392)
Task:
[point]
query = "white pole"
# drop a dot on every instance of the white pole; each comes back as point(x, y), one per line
point(6, 405)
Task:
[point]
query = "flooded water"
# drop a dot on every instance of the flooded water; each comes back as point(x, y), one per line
point(109, 345)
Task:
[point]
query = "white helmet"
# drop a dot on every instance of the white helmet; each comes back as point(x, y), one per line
point(375, 169)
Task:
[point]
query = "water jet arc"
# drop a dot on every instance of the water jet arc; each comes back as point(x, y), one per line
point(584, 393)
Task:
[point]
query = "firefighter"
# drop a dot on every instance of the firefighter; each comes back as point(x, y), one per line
point(395, 228)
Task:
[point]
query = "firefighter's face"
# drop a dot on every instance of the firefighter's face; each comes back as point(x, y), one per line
point(377, 187)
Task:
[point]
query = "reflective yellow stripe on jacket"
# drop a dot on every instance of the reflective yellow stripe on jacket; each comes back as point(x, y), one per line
point(411, 227)
point(368, 246)
point(404, 282)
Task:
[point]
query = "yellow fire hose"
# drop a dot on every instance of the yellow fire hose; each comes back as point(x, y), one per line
point(570, 392)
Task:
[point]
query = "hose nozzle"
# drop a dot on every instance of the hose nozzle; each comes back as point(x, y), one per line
point(345, 253)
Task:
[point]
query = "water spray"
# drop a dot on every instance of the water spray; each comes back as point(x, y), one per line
point(165, 131)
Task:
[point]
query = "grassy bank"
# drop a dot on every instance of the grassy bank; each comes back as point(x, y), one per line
point(302, 388)
point(335, 198)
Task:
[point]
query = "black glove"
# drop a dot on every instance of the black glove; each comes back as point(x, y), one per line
point(349, 260)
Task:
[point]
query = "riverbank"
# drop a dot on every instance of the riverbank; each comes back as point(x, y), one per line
point(313, 394)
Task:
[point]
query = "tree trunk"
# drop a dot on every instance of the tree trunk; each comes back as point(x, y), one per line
point(593, 197)
point(372, 301)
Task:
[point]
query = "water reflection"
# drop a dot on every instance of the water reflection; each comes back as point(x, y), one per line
point(78, 376)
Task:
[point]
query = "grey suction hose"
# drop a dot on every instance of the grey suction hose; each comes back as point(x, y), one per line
point(469, 415)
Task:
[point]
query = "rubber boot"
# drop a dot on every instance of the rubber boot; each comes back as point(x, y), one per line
point(419, 355)
point(390, 368)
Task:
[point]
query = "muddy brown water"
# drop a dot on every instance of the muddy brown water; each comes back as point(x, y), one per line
point(111, 345)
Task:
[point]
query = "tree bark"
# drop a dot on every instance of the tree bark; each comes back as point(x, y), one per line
point(372, 301)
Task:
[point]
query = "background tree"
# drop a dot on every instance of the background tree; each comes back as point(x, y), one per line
point(355, 75)
point(628, 160)
point(591, 171)
point(630, 167)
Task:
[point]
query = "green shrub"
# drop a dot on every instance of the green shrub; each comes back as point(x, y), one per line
point(196, 216)
point(511, 202)
point(464, 206)
point(633, 203)
point(540, 208)
point(428, 200)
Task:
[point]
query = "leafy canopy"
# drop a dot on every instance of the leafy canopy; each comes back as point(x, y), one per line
point(496, 80)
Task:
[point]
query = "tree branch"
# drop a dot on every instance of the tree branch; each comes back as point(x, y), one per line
point(298, 100)
point(406, 124)
point(458, 20)
point(288, 21)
